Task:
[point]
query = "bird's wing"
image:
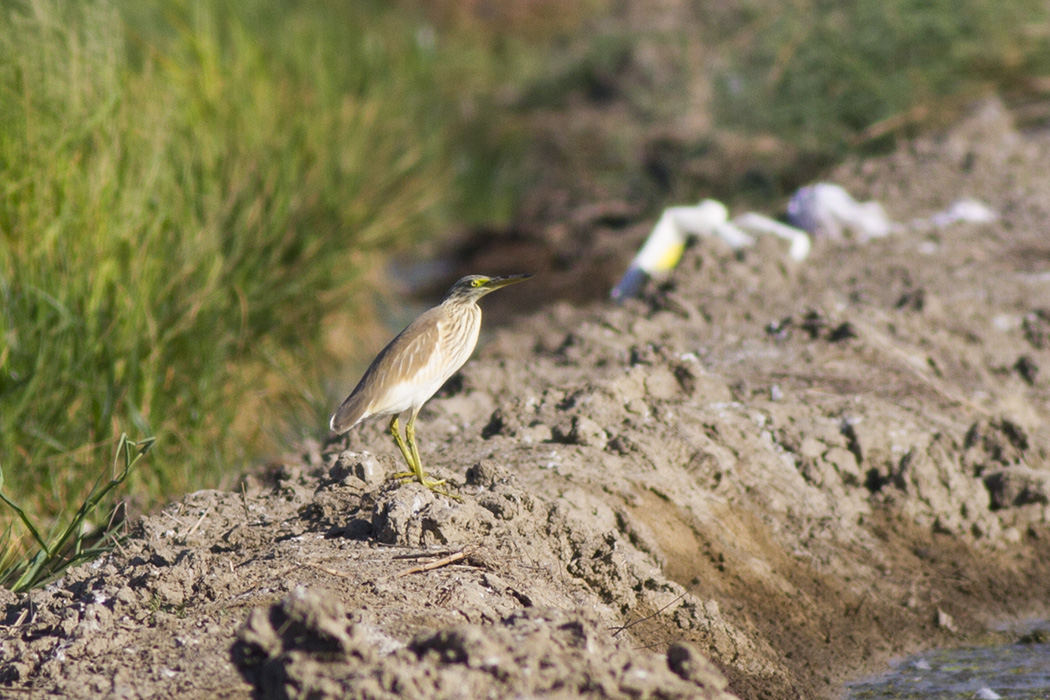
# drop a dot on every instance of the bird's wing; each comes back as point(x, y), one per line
point(349, 413)
point(387, 385)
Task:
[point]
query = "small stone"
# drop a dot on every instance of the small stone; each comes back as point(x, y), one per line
point(987, 527)
point(126, 596)
point(945, 621)
point(465, 645)
point(690, 665)
point(394, 517)
point(1012, 535)
point(69, 623)
point(535, 434)
point(580, 430)
point(845, 463)
point(486, 473)
point(169, 594)
point(1027, 368)
point(811, 448)
point(662, 384)
point(500, 423)
point(1018, 486)
point(844, 331)
point(350, 465)
point(163, 555)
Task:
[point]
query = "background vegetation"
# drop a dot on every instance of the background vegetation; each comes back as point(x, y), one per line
point(746, 100)
point(193, 195)
point(188, 190)
point(826, 76)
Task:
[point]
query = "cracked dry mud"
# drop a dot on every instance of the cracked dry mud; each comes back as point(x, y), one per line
point(758, 480)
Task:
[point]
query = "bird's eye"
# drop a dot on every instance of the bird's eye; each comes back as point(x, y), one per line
point(475, 283)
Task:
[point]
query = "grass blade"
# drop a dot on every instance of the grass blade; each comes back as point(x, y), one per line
point(73, 544)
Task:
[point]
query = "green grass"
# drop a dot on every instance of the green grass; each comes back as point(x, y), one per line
point(828, 76)
point(81, 539)
point(189, 192)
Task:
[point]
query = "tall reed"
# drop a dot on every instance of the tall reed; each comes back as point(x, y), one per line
point(188, 190)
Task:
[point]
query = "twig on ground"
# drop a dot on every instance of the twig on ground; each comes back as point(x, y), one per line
point(648, 617)
point(196, 525)
point(438, 563)
point(434, 553)
point(331, 572)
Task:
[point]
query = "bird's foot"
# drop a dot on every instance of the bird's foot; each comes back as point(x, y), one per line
point(412, 476)
point(431, 484)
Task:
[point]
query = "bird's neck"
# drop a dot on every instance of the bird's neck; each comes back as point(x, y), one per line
point(465, 304)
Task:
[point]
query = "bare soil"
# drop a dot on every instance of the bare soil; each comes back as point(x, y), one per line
point(758, 480)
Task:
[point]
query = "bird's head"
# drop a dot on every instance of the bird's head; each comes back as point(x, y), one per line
point(473, 287)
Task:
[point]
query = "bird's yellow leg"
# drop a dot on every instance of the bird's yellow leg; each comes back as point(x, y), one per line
point(395, 430)
point(411, 454)
point(410, 433)
point(432, 484)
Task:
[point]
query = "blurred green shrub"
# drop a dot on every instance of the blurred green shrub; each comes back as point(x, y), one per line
point(825, 76)
point(188, 190)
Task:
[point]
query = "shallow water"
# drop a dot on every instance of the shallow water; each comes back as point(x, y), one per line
point(985, 673)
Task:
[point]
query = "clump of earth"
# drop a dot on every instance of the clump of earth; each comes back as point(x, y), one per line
point(759, 479)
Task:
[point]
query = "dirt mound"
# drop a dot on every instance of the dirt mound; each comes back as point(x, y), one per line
point(305, 647)
point(758, 479)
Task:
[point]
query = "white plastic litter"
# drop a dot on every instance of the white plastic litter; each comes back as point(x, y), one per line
point(822, 209)
point(828, 210)
point(663, 248)
point(968, 210)
point(757, 223)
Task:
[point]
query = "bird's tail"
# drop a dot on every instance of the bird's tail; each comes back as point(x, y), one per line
point(352, 410)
